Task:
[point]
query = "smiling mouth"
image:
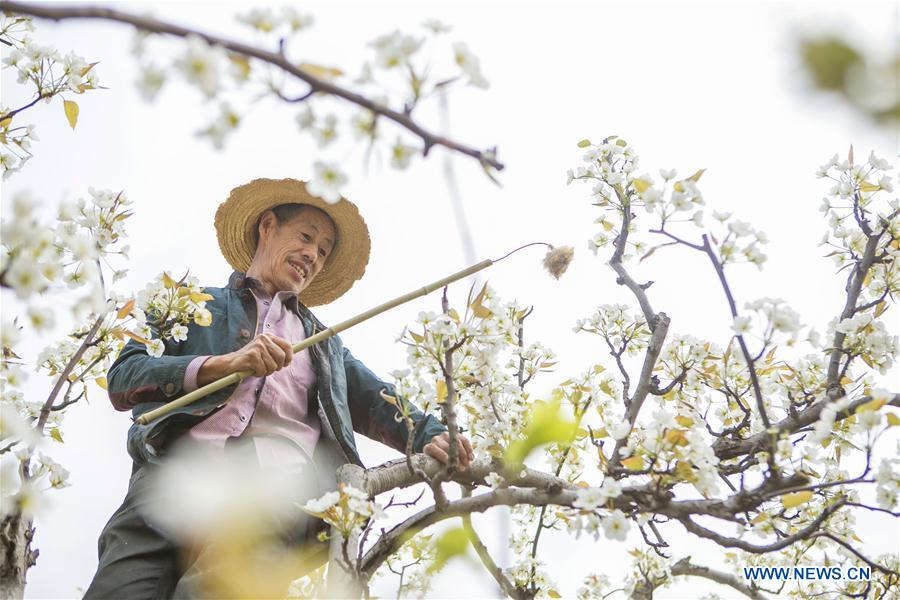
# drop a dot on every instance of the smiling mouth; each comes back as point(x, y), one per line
point(299, 268)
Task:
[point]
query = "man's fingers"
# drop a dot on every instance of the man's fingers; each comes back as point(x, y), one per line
point(434, 451)
point(463, 448)
point(285, 347)
point(468, 446)
point(275, 352)
point(463, 454)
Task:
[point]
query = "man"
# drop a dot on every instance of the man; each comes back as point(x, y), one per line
point(290, 250)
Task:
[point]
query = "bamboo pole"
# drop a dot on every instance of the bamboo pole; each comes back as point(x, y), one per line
point(314, 339)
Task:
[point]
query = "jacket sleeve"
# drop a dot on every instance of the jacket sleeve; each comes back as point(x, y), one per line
point(378, 419)
point(137, 377)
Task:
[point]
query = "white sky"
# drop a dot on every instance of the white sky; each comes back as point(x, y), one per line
point(689, 85)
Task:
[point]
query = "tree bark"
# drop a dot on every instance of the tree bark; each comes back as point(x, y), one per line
point(16, 533)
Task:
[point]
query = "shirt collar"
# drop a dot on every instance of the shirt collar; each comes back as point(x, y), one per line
point(242, 281)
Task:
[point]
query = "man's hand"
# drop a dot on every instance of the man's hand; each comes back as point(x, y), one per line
point(263, 355)
point(439, 448)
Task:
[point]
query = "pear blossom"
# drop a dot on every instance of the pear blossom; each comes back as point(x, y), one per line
point(469, 64)
point(401, 154)
point(150, 81)
point(327, 181)
point(615, 526)
point(201, 64)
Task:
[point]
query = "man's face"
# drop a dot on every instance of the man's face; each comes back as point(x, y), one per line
point(289, 255)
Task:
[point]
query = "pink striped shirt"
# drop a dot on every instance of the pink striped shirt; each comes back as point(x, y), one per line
point(271, 410)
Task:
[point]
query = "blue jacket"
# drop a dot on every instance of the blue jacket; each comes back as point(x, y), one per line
point(347, 395)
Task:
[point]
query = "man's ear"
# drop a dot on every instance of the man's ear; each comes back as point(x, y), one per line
point(267, 222)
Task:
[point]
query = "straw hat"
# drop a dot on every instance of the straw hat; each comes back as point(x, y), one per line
point(236, 221)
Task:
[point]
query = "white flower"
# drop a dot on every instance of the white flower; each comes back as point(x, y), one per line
point(326, 133)
point(10, 334)
point(150, 80)
point(877, 163)
point(468, 62)
point(698, 218)
point(179, 332)
point(306, 119)
point(611, 488)
point(435, 26)
point(41, 318)
point(785, 319)
point(320, 505)
point(670, 174)
point(682, 202)
point(615, 526)
point(24, 276)
point(394, 49)
point(200, 64)
point(494, 480)
point(401, 154)
point(620, 430)
point(740, 228)
point(589, 498)
point(741, 325)
point(156, 348)
point(262, 19)
point(57, 474)
point(296, 19)
point(327, 181)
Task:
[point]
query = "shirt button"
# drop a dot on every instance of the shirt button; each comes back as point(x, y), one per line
point(266, 302)
point(170, 388)
point(268, 324)
point(243, 418)
point(245, 333)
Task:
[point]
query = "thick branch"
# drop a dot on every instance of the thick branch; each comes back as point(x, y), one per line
point(726, 448)
point(395, 474)
point(400, 534)
point(730, 542)
point(316, 84)
point(616, 261)
point(660, 328)
point(684, 567)
point(64, 376)
point(854, 287)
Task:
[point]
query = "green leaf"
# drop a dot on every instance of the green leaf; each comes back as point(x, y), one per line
point(56, 435)
point(796, 499)
point(71, 109)
point(634, 463)
point(547, 425)
point(452, 542)
point(168, 282)
point(584, 143)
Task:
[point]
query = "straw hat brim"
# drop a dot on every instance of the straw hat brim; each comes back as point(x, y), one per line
point(236, 221)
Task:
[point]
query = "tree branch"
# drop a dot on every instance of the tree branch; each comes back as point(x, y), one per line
point(316, 84)
point(730, 542)
point(726, 448)
point(502, 580)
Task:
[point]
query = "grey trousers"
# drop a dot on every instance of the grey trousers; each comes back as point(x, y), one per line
point(138, 561)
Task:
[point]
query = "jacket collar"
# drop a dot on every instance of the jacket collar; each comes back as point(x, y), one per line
point(241, 282)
